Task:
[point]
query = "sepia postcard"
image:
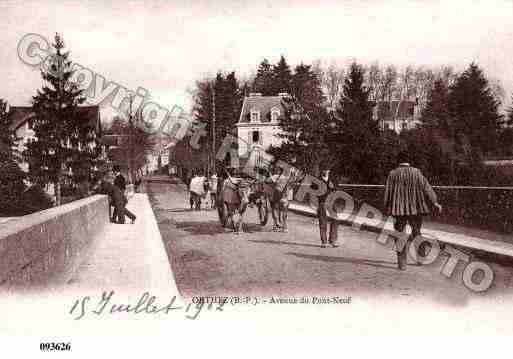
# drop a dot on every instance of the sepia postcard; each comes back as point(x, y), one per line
point(256, 178)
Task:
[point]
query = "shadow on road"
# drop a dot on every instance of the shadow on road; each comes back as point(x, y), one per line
point(331, 259)
point(201, 228)
point(212, 227)
point(284, 243)
point(175, 210)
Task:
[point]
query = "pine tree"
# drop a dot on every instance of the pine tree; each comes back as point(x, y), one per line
point(225, 94)
point(509, 114)
point(63, 134)
point(264, 80)
point(358, 131)
point(305, 123)
point(306, 88)
point(506, 134)
point(436, 113)
point(475, 111)
point(282, 77)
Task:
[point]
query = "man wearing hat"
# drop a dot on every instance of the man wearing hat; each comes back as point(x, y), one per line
point(408, 195)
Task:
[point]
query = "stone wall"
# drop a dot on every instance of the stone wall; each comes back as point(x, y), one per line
point(42, 248)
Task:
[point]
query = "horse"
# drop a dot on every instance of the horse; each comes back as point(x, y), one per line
point(234, 199)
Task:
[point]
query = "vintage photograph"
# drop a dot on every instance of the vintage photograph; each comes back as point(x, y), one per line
point(301, 163)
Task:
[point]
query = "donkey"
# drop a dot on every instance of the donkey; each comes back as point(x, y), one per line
point(235, 199)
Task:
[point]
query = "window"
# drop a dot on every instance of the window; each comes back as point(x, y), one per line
point(255, 116)
point(275, 114)
point(30, 125)
point(405, 125)
point(256, 136)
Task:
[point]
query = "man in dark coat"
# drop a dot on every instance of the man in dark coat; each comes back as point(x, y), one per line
point(118, 200)
point(119, 179)
point(322, 214)
point(408, 195)
point(119, 182)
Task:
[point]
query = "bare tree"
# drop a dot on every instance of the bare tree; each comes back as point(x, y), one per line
point(447, 74)
point(408, 81)
point(497, 89)
point(374, 79)
point(389, 83)
point(423, 81)
point(332, 81)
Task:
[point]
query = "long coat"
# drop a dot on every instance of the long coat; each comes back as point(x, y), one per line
point(116, 197)
point(408, 192)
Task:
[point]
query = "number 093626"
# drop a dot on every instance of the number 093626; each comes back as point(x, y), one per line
point(54, 346)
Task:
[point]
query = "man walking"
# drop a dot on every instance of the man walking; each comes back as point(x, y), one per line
point(213, 191)
point(196, 190)
point(322, 214)
point(407, 198)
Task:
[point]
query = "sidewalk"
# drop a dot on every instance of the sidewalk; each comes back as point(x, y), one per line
point(451, 234)
point(127, 257)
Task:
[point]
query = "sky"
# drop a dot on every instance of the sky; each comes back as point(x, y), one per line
point(165, 46)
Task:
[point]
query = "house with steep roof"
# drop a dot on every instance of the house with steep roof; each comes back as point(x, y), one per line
point(258, 127)
point(396, 115)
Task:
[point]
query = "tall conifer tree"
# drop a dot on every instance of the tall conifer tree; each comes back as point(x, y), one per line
point(64, 136)
point(282, 76)
point(264, 80)
point(475, 111)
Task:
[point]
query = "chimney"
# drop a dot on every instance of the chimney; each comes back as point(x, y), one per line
point(255, 94)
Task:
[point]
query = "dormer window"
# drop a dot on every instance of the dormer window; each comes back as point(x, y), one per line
point(255, 115)
point(275, 114)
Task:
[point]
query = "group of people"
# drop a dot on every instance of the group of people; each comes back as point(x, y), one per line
point(200, 187)
point(408, 198)
point(117, 197)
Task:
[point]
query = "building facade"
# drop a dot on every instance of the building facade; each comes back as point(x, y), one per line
point(258, 127)
point(396, 115)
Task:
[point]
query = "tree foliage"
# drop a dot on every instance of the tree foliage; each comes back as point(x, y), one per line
point(131, 142)
point(64, 136)
point(474, 109)
point(11, 176)
point(358, 134)
point(264, 80)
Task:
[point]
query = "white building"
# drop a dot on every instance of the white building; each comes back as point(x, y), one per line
point(397, 115)
point(259, 126)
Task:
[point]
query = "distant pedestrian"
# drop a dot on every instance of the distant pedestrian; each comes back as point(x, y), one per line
point(118, 200)
point(119, 179)
point(408, 195)
point(213, 190)
point(197, 191)
point(119, 182)
point(322, 214)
